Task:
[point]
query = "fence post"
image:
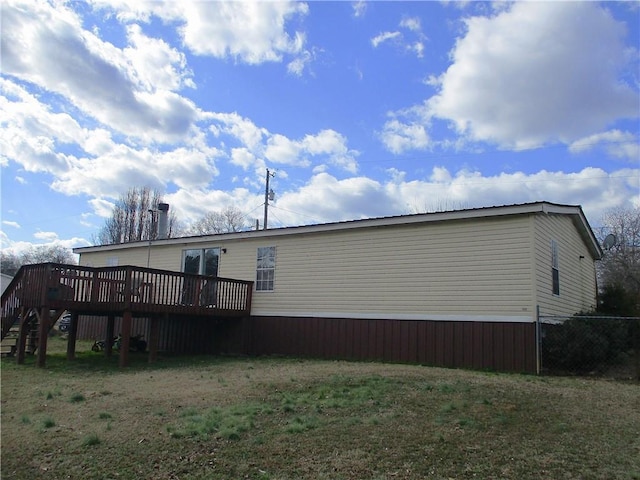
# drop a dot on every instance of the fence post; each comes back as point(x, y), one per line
point(636, 348)
point(538, 342)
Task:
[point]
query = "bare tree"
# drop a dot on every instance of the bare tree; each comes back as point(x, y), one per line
point(231, 219)
point(620, 264)
point(132, 219)
point(11, 262)
point(438, 205)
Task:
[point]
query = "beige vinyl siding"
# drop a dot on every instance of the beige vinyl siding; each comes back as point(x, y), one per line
point(162, 257)
point(130, 256)
point(479, 267)
point(577, 284)
point(476, 267)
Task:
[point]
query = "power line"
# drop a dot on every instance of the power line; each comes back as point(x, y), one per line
point(295, 213)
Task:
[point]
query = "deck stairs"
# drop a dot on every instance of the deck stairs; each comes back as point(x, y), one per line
point(9, 343)
point(10, 326)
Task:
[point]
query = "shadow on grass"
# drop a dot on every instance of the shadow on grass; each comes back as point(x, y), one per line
point(88, 362)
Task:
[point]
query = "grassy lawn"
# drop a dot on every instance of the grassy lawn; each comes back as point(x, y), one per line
point(266, 418)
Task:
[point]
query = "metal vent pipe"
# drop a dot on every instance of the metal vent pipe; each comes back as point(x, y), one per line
point(163, 221)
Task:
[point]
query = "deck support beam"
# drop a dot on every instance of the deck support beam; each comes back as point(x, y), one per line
point(108, 341)
point(39, 290)
point(43, 334)
point(154, 338)
point(72, 336)
point(125, 338)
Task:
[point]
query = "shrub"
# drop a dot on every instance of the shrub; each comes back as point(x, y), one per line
point(585, 344)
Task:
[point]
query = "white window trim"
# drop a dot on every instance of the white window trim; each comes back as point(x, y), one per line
point(555, 268)
point(273, 269)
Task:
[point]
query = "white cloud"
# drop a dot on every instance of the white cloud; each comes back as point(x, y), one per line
point(411, 23)
point(414, 27)
point(281, 149)
point(9, 223)
point(327, 143)
point(616, 143)
point(248, 32)
point(47, 237)
point(156, 64)
point(187, 167)
point(298, 65)
point(243, 158)
point(113, 173)
point(242, 128)
point(359, 8)
point(385, 37)
point(399, 137)
point(190, 205)
point(417, 48)
point(48, 47)
point(539, 72)
point(19, 247)
point(36, 138)
point(30, 131)
point(251, 32)
point(326, 198)
point(102, 207)
point(593, 188)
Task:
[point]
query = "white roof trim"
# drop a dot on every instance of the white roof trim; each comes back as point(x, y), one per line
point(527, 208)
point(399, 316)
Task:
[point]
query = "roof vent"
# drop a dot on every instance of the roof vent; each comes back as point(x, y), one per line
point(163, 221)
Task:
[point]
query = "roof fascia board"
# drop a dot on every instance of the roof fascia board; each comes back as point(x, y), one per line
point(528, 208)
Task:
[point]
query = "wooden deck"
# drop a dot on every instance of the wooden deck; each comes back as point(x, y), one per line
point(49, 289)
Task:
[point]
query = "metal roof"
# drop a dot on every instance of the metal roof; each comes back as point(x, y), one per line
point(575, 211)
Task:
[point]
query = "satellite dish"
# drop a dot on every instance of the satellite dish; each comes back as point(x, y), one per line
point(609, 242)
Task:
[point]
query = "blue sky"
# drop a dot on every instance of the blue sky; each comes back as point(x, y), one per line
point(361, 109)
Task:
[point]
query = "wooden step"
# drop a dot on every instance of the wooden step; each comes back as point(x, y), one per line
point(8, 346)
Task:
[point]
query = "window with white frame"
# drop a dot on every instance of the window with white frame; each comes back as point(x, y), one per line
point(555, 268)
point(201, 261)
point(266, 269)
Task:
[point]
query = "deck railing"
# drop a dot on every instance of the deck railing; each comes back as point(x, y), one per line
point(123, 288)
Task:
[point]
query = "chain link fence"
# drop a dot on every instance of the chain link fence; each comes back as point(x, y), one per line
point(590, 345)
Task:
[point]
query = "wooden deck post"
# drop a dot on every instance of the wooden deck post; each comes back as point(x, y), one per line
point(115, 291)
point(125, 335)
point(108, 341)
point(43, 334)
point(154, 338)
point(22, 335)
point(71, 338)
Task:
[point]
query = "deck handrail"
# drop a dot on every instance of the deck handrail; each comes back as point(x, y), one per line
point(132, 288)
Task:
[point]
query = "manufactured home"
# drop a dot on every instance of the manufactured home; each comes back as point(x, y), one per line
point(460, 288)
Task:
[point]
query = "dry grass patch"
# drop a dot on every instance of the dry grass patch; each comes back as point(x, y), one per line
point(215, 418)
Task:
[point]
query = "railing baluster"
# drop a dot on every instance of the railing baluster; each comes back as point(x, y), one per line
point(102, 290)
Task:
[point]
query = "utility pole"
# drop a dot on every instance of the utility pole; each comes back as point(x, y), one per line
point(268, 195)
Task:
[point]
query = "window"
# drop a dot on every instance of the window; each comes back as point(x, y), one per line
point(112, 261)
point(266, 269)
point(201, 261)
point(555, 272)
